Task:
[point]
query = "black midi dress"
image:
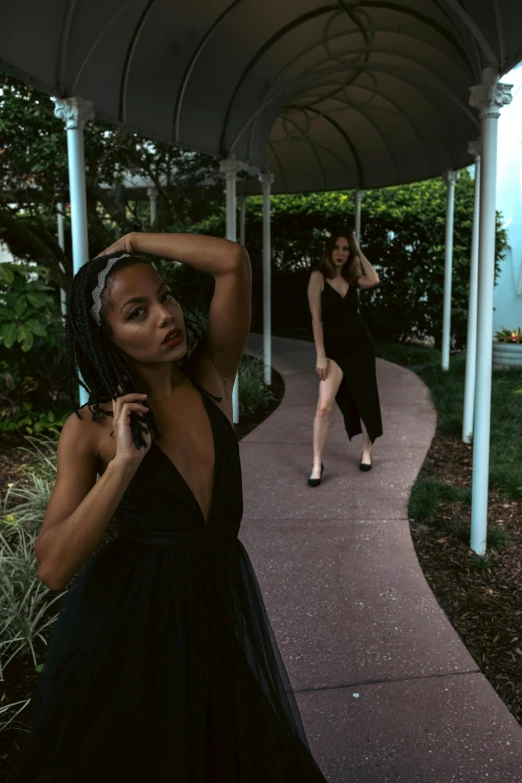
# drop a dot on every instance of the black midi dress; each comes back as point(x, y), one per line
point(163, 666)
point(348, 342)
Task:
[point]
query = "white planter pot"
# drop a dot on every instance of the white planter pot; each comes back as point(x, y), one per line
point(507, 355)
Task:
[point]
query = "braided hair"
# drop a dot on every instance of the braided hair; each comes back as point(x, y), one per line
point(95, 361)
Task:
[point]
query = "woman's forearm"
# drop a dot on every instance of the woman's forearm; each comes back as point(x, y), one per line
point(317, 328)
point(368, 269)
point(65, 546)
point(212, 255)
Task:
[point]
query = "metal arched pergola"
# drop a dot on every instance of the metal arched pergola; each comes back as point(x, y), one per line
point(312, 95)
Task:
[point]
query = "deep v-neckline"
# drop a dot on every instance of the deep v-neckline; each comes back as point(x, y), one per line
point(214, 472)
point(336, 291)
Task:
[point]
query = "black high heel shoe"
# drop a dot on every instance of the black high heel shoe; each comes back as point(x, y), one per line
point(364, 466)
point(316, 482)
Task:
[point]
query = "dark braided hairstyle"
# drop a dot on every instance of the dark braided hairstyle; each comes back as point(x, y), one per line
point(95, 361)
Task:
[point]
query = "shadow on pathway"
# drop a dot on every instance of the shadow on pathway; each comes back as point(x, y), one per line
point(387, 690)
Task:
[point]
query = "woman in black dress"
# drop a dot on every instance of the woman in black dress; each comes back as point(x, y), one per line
point(345, 350)
point(162, 665)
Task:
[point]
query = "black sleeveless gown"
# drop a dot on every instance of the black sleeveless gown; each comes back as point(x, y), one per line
point(348, 342)
point(163, 666)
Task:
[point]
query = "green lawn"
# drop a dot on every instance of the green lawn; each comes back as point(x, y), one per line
point(408, 354)
point(447, 390)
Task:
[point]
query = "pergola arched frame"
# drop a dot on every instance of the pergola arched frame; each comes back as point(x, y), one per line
point(225, 77)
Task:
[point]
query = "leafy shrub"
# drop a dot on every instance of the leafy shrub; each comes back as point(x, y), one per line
point(33, 365)
point(27, 609)
point(25, 506)
point(42, 457)
point(27, 310)
point(253, 392)
point(9, 714)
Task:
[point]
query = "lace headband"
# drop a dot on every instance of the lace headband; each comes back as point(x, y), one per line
point(98, 291)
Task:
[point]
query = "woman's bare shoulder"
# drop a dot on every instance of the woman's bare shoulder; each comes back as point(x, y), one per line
point(316, 283)
point(84, 434)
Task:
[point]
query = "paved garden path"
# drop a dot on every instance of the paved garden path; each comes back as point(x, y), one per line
point(387, 690)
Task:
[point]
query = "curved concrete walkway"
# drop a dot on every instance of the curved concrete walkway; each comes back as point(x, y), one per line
point(387, 690)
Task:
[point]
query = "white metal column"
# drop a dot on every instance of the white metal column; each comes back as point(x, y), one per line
point(359, 195)
point(230, 169)
point(488, 97)
point(76, 112)
point(242, 217)
point(450, 179)
point(152, 193)
point(471, 342)
point(61, 242)
point(266, 178)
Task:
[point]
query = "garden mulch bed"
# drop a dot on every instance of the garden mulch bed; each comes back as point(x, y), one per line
point(20, 677)
point(481, 596)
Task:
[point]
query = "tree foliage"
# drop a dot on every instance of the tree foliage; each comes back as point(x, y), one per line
point(34, 179)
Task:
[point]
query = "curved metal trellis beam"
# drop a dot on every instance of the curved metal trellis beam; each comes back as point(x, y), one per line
point(384, 141)
point(409, 121)
point(346, 104)
point(176, 120)
point(351, 12)
point(410, 79)
point(61, 61)
point(96, 41)
point(340, 89)
point(349, 143)
point(381, 50)
point(122, 113)
point(460, 12)
point(418, 15)
point(304, 138)
point(320, 12)
point(500, 31)
point(398, 114)
point(331, 71)
point(323, 185)
point(359, 31)
point(334, 91)
point(325, 63)
point(275, 156)
point(260, 53)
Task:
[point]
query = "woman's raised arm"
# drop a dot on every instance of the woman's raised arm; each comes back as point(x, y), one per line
point(231, 307)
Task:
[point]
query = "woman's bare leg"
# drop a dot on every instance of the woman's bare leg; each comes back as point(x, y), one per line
point(367, 447)
point(327, 391)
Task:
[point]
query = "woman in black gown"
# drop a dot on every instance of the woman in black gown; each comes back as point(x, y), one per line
point(345, 351)
point(162, 665)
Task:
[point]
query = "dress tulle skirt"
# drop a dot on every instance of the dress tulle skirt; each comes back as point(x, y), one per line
point(163, 667)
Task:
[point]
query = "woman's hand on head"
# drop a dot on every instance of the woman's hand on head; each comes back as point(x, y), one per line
point(126, 451)
point(321, 368)
point(125, 244)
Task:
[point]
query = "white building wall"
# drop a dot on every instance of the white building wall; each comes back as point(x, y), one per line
point(508, 292)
